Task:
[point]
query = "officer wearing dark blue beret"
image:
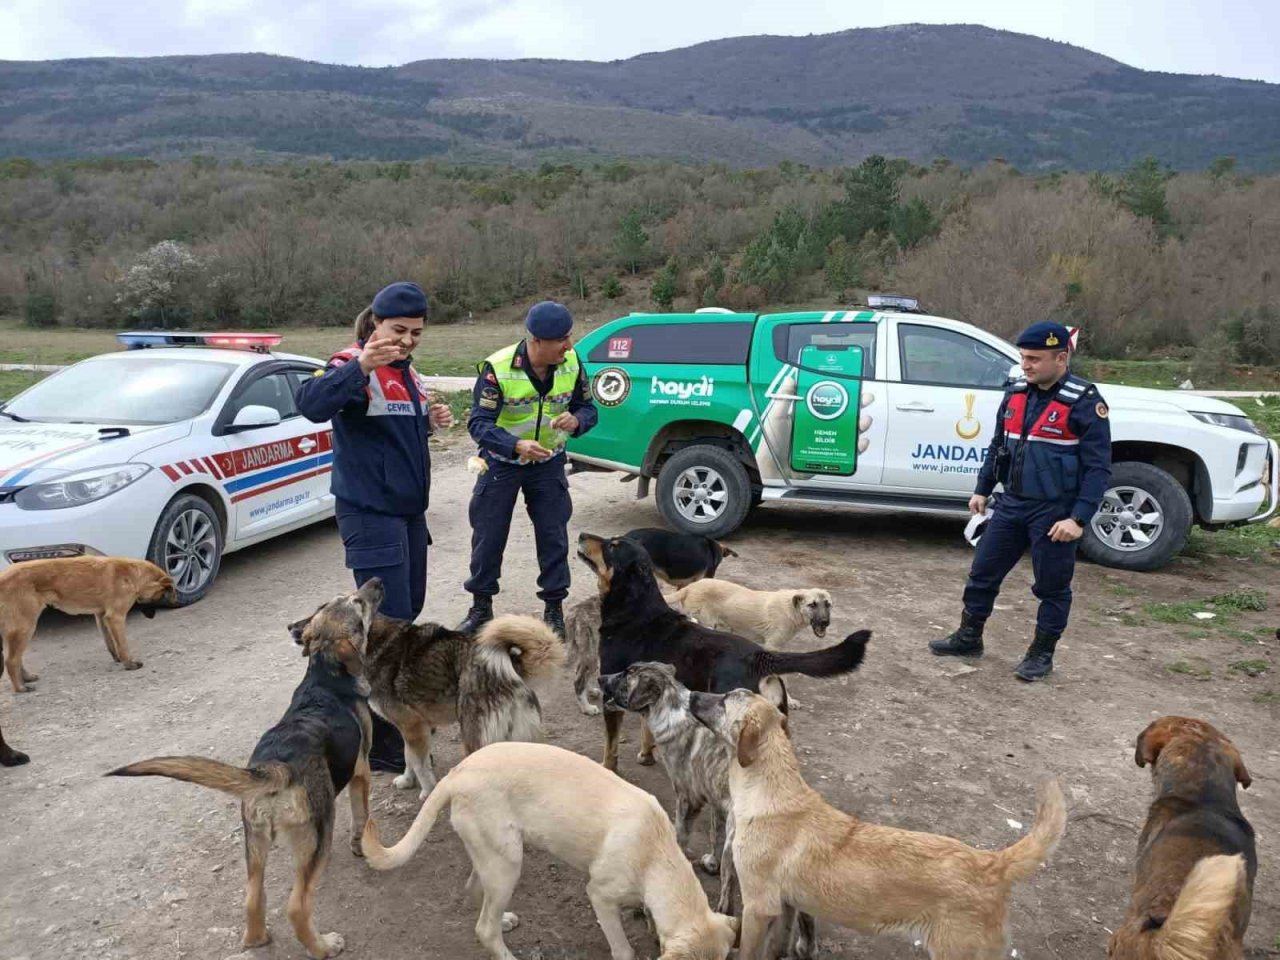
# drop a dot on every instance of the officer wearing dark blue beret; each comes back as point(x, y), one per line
point(529, 399)
point(1051, 453)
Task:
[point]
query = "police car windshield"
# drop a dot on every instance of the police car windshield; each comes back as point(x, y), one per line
point(136, 390)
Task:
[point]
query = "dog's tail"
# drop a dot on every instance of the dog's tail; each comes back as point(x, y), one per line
point(388, 858)
point(1203, 908)
point(515, 647)
point(676, 600)
point(1021, 860)
point(237, 781)
point(845, 656)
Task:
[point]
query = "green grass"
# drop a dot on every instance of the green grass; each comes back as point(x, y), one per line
point(1246, 598)
point(1167, 374)
point(1270, 698)
point(1254, 542)
point(1197, 671)
point(1251, 667)
point(1123, 590)
point(1181, 611)
point(452, 350)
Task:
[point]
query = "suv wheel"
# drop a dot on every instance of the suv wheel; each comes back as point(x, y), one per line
point(187, 545)
point(1142, 522)
point(704, 489)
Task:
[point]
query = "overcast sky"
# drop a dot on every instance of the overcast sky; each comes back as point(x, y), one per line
point(1235, 38)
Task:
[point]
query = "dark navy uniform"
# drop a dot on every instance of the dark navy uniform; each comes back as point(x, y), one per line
point(509, 403)
point(1051, 451)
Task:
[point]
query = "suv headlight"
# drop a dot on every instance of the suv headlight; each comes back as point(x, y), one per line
point(81, 487)
point(1233, 420)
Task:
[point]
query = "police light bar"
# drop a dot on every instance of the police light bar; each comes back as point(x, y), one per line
point(231, 340)
point(880, 301)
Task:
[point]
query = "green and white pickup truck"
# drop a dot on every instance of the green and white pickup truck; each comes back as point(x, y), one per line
point(885, 409)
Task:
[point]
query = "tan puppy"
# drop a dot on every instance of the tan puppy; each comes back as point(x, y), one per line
point(507, 794)
point(791, 847)
point(106, 587)
point(769, 617)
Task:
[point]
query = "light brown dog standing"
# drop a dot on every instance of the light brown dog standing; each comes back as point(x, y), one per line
point(790, 847)
point(106, 587)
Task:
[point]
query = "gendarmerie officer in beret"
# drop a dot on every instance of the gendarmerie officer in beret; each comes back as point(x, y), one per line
point(382, 417)
point(1052, 453)
point(529, 399)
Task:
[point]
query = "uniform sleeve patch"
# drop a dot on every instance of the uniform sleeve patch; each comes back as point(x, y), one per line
point(1102, 410)
point(489, 397)
point(317, 373)
point(489, 377)
point(488, 404)
point(337, 361)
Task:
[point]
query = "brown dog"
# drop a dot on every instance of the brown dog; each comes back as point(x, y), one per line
point(319, 747)
point(1196, 859)
point(790, 847)
point(106, 587)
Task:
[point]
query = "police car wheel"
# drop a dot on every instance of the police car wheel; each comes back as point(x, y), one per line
point(1143, 520)
point(187, 544)
point(704, 489)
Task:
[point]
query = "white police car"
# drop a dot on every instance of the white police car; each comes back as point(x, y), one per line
point(165, 452)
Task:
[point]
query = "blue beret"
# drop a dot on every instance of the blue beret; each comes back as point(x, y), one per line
point(1045, 335)
point(400, 300)
point(548, 320)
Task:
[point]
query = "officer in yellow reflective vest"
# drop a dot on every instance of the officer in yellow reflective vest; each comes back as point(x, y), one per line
point(528, 400)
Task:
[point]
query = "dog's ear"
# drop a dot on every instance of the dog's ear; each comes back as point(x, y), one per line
point(1150, 742)
point(797, 599)
point(725, 551)
point(748, 741)
point(1237, 765)
point(297, 628)
point(668, 668)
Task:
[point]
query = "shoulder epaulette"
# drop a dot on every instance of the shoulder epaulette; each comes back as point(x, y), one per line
point(1073, 388)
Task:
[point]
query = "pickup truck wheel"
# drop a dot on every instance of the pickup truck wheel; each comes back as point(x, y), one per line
point(1142, 522)
point(704, 489)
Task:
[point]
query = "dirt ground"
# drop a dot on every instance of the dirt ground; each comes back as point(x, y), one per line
point(152, 869)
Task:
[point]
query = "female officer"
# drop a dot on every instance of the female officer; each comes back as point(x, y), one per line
point(381, 463)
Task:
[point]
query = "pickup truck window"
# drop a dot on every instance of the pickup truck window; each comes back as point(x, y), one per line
point(944, 357)
point(713, 343)
point(789, 339)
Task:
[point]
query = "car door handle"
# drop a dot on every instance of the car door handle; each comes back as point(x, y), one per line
point(306, 444)
point(781, 396)
point(915, 407)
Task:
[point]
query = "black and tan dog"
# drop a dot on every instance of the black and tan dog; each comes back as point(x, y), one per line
point(107, 587)
point(680, 558)
point(637, 625)
point(1193, 888)
point(10, 757)
point(422, 676)
point(319, 747)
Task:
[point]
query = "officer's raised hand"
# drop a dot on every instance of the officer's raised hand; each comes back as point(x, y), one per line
point(1064, 531)
point(440, 415)
point(977, 503)
point(566, 422)
point(378, 353)
point(532, 450)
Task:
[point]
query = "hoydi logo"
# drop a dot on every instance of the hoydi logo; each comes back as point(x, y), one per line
point(682, 389)
point(826, 400)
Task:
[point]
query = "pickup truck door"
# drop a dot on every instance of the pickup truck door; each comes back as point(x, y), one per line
point(836, 357)
point(944, 390)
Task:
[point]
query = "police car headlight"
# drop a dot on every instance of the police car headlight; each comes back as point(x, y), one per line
point(81, 487)
point(1233, 420)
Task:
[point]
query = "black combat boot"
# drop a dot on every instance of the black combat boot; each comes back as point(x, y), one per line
point(1038, 663)
point(553, 617)
point(965, 642)
point(481, 612)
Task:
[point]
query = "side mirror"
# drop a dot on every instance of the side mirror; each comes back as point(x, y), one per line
point(1015, 372)
point(253, 416)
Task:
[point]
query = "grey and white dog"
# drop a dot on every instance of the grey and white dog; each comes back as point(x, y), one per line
point(697, 764)
point(582, 642)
